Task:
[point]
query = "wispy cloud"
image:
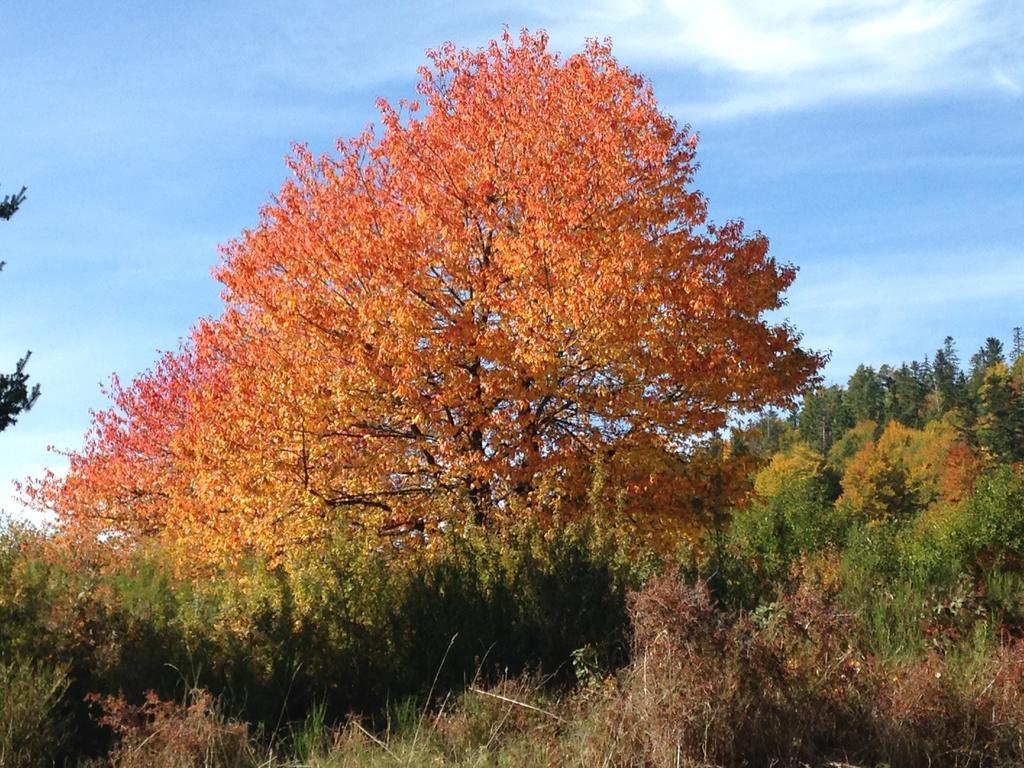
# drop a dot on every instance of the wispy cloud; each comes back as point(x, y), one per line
point(1003, 80)
point(875, 290)
point(760, 55)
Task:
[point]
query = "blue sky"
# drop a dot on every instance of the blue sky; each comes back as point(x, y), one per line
point(879, 144)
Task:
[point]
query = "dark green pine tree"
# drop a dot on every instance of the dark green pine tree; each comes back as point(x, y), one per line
point(1000, 424)
point(990, 353)
point(950, 382)
point(16, 396)
point(865, 396)
point(906, 392)
point(824, 417)
point(768, 434)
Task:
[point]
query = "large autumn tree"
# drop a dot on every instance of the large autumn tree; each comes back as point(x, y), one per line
point(452, 320)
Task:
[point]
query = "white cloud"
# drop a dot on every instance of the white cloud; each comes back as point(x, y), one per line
point(874, 290)
point(1000, 78)
point(764, 55)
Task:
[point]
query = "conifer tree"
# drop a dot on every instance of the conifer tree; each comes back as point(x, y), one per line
point(16, 396)
point(950, 383)
point(865, 396)
point(990, 353)
point(1000, 427)
point(824, 417)
point(906, 393)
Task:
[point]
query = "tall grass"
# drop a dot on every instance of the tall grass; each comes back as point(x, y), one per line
point(31, 726)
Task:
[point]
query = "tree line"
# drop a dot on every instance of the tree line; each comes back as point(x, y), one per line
point(984, 401)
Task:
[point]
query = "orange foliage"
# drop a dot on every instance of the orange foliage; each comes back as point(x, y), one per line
point(665, 496)
point(962, 468)
point(440, 322)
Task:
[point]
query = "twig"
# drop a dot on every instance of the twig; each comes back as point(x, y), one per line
point(522, 704)
point(376, 741)
point(430, 694)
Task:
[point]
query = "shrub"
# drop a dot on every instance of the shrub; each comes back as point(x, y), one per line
point(793, 684)
point(727, 688)
point(26, 594)
point(790, 520)
point(351, 626)
point(31, 727)
point(990, 532)
point(167, 734)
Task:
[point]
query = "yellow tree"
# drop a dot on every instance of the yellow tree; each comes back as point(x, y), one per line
point(448, 321)
point(908, 470)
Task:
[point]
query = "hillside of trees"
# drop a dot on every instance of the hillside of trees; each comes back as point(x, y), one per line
point(495, 457)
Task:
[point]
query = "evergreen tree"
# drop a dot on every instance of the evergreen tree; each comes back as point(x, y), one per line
point(923, 371)
point(16, 396)
point(990, 353)
point(9, 204)
point(1000, 426)
point(824, 417)
point(865, 396)
point(906, 394)
point(768, 434)
point(949, 381)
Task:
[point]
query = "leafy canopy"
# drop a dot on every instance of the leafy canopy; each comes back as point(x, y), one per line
point(449, 321)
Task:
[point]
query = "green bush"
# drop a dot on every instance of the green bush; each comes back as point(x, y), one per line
point(349, 628)
point(27, 593)
point(760, 554)
point(356, 625)
point(983, 534)
point(31, 728)
point(990, 532)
